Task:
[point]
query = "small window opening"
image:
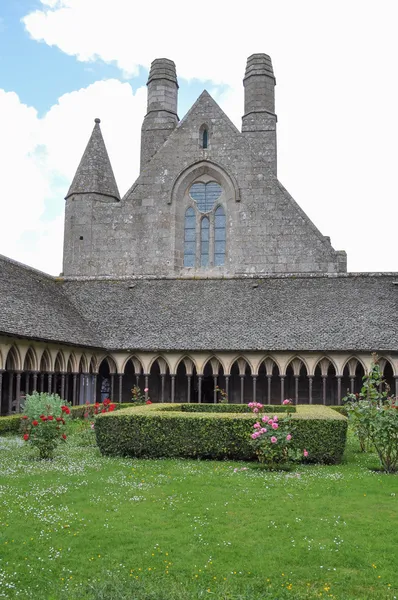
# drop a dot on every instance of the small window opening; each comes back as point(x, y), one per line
point(205, 136)
point(81, 237)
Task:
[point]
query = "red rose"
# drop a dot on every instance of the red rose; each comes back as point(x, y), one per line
point(96, 411)
point(35, 423)
point(64, 436)
point(148, 402)
point(67, 411)
point(106, 402)
point(103, 410)
point(63, 408)
point(50, 418)
point(112, 407)
point(58, 419)
point(43, 418)
point(26, 437)
point(97, 404)
point(24, 417)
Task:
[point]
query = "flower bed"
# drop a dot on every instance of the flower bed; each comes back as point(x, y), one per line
point(169, 430)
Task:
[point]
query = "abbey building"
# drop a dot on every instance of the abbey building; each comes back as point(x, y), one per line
point(205, 274)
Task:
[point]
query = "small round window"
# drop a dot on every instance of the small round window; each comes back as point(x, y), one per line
point(205, 194)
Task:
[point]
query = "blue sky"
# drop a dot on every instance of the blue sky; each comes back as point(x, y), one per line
point(65, 62)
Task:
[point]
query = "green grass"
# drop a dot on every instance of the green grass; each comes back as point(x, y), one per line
point(89, 527)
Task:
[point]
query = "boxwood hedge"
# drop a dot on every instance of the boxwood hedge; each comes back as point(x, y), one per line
point(165, 430)
point(10, 424)
point(231, 408)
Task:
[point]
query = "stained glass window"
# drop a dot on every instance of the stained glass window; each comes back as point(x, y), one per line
point(204, 242)
point(189, 238)
point(205, 195)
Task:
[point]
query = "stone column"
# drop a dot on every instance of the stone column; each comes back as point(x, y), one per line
point(146, 385)
point(188, 388)
point(338, 389)
point(63, 386)
point(324, 377)
point(282, 378)
point(74, 389)
point(162, 383)
point(215, 391)
point(112, 387)
point(137, 379)
point(10, 390)
point(310, 382)
point(242, 388)
point(55, 383)
point(34, 381)
point(296, 386)
point(17, 391)
point(396, 385)
point(41, 382)
point(254, 387)
point(269, 381)
point(227, 386)
point(200, 388)
point(352, 386)
point(173, 387)
point(121, 388)
point(95, 387)
point(67, 387)
point(27, 382)
point(49, 382)
point(83, 386)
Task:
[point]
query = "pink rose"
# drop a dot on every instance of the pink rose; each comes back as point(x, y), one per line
point(288, 437)
point(263, 430)
point(275, 417)
point(274, 440)
point(256, 425)
point(305, 453)
point(146, 390)
point(253, 436)
point(287, 402)
point(265, 418)
point(255, 410)
point(270, 421)
point(275, 425)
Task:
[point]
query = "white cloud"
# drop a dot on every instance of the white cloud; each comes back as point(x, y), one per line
point(336, 101)
point(42, 156)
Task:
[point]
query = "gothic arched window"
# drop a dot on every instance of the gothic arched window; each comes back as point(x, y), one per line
point(219, 237)
point(205, 194)
point(204, 242)
point(189, 238)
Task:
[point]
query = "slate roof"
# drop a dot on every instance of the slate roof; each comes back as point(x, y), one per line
point(33, 305)
point(94, 173)
point(321, 313)
point(345, 312)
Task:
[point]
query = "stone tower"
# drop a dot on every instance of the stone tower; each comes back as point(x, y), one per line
point(161, 117)
point(259, 120)
point(90, 205)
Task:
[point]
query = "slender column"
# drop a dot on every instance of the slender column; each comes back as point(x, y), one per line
point(112, 386)
point(200, 388)
point(352, 386)
point(254, 387)
point(310, 382)
point(74, 389)
point(34, 381)
point(137, 379)
point(282, 377)
point(27, 383)
point(296, 385)
point(227, 386)
point(55, 383)
point(338, 389)
point(63, 386)
point(188, 388)
point(173, 387)
point(49, 382)
point(215, 391)
point(242, 388)
point(162, 382)
point(1, 388)
point(95, 387)
point(324, 389)
point(269, 381)
point(121, 388)
point(396, 385)
point(10, 390)
point(84, 386)
point(146, 386)
point(41, 382)
point(67, 387)
point(17, 391)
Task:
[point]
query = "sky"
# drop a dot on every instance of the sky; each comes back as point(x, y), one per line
point(65, 62)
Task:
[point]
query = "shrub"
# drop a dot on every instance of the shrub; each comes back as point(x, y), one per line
point(84, 411)
point(10, 424)
point(230, 408)
point(44, 422)
point(161, 430)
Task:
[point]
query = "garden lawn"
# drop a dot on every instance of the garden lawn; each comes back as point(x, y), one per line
point(88, 527)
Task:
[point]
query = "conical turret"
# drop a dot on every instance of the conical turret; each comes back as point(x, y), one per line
point(94, 174)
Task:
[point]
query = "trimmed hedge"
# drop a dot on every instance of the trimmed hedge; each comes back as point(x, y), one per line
point(78, 412)
point(340, 409)
point(231, 408)
point(165, 430)
point(10, 424)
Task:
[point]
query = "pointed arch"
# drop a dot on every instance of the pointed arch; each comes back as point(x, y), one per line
point(186, 359)
point(93, 367)
point(215, 365)
point(353, 358)
point(30, 362)
point(157, 358)
point(60, 363)
point(83, 364)
point(110, 361)
point(331, 362)
point(296, 363)
point(136, 362)
point(45, 362)
point(72, 365)
point(270, 363)
point(13, 359)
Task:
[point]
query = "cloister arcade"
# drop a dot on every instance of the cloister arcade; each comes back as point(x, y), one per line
point(79, 375)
